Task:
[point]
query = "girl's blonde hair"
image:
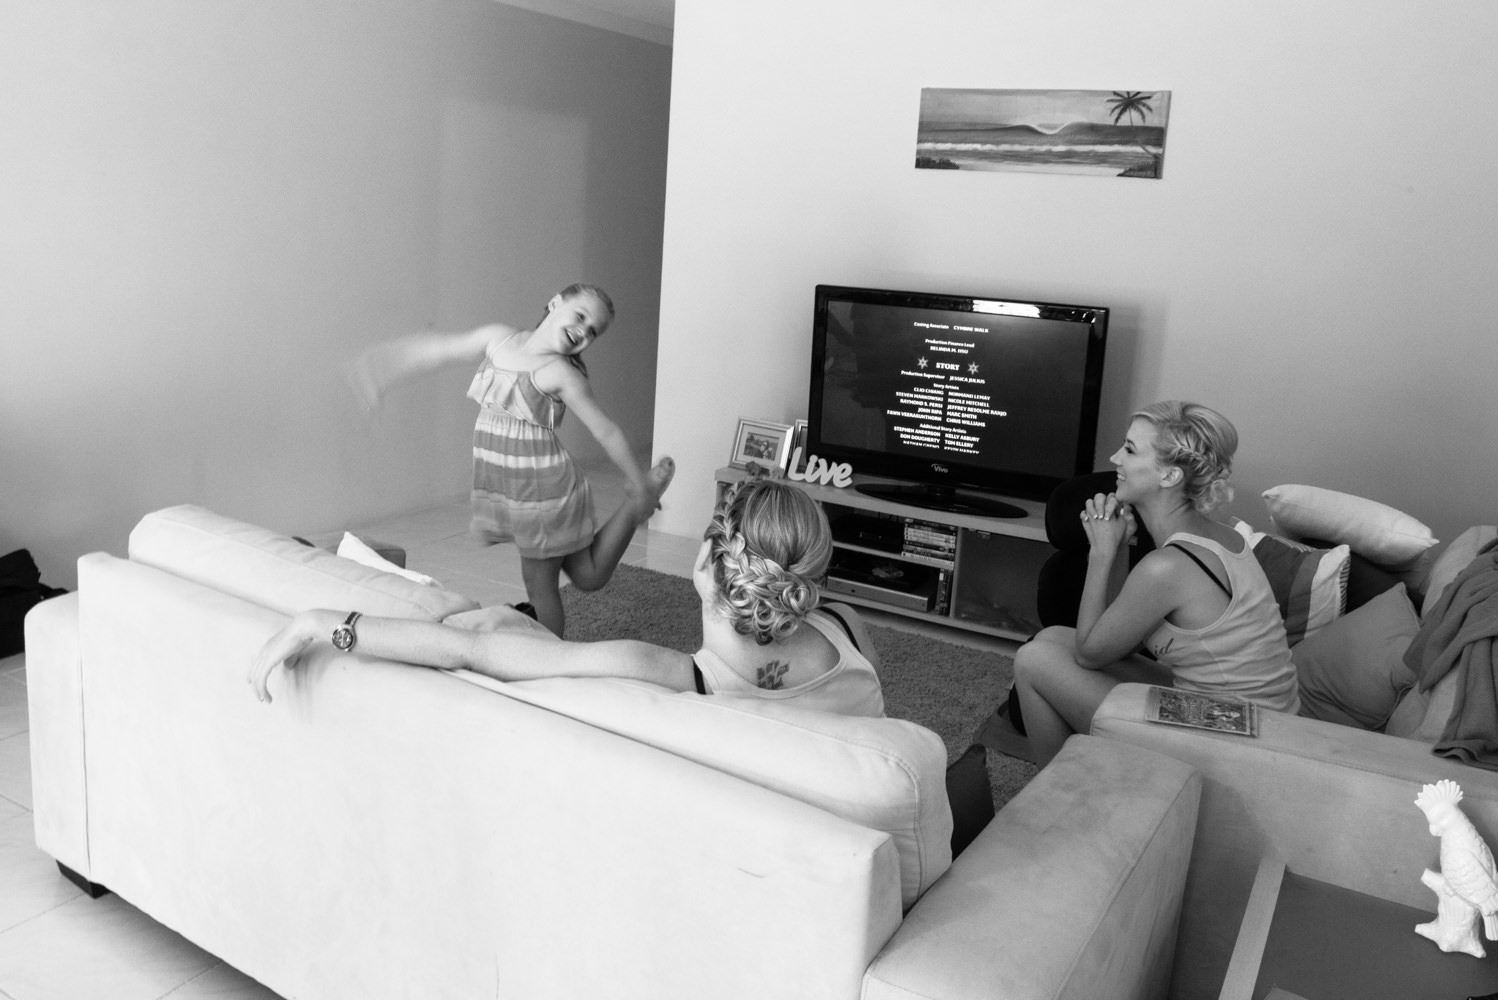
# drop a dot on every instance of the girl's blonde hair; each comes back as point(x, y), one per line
point(575, 289)
point(769, 548)
point(1201, 443)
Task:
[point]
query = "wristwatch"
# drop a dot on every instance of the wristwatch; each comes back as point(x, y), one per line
point(343, 636)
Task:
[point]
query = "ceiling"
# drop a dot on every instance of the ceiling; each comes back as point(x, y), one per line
point(651, 20)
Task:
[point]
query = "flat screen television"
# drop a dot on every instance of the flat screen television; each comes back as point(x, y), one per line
point(960, 399)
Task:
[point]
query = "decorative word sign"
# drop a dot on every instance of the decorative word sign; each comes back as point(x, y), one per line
point(819, 470)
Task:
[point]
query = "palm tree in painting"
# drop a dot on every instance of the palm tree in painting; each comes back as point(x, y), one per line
point(1129, 103)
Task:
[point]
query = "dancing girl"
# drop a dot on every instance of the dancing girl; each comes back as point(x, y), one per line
point(526, 487)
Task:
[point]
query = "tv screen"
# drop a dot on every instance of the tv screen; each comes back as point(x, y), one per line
point(950, 391)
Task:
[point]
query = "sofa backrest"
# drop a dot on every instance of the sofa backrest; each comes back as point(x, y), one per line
point(276, 571)
point(884, 774)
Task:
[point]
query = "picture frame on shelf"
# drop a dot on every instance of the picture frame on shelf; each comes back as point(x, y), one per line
point(798, 441)
point(763, 443)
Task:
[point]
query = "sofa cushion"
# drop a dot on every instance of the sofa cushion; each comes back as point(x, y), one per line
point(1422, 715)
point(884, 774)
point(278, 572)
point(1309, 584)
point(1455, 558)
point(1373, 530)
point(1366, 580)
point(1352, 672)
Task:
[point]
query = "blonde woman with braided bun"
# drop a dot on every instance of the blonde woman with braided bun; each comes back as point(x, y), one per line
point(765, 632)
point(1198, 604)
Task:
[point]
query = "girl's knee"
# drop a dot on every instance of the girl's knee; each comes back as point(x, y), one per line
point(587, 582)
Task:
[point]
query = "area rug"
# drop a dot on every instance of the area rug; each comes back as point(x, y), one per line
point(949, 688)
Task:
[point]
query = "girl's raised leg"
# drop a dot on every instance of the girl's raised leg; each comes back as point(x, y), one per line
point(593, 566)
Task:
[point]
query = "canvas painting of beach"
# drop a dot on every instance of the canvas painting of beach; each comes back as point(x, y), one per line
point(1118, 133)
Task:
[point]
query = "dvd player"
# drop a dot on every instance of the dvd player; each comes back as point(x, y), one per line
point(879, 595)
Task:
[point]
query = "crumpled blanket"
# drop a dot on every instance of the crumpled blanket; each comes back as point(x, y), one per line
point(1459, 634)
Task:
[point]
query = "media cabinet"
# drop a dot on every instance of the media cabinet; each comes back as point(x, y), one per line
point(969, 572)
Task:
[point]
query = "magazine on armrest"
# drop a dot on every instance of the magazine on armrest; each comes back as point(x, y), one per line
point(1201, 711)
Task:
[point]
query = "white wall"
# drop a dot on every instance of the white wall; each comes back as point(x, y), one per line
point(205, 207)
point(1316, 262)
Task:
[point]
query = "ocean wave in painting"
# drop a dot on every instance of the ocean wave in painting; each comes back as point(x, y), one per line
point(1016, 147)
point(1083, 147)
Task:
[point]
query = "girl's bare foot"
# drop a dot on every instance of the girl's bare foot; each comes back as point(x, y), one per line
point(656, 481)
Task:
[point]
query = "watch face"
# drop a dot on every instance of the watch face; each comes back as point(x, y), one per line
point(343, 638)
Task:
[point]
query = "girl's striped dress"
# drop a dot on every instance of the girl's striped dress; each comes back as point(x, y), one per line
point(526, 488)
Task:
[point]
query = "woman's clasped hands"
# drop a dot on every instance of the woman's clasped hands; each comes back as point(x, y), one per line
point(1108, 523)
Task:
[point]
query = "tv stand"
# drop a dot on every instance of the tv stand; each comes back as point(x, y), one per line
point(947, 563)
point(941, 498)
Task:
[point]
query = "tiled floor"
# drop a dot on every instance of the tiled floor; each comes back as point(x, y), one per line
point(57, 944)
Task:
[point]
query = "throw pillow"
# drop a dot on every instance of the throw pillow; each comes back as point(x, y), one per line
point(359, 551)
point(1366, 580)
point(1373, 530)
point(1352, 672)
point(1309, 584)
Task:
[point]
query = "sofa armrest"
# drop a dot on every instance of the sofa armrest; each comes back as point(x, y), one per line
point(1331, 802)
point(54, 695)
point(1073, 890)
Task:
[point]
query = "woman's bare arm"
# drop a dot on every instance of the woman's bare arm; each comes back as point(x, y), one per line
point(503, 655)
point(1150, 592)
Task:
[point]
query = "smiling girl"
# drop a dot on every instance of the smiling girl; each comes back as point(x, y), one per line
point(526, 487)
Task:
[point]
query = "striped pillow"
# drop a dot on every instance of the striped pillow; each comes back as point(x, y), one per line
point(1310, 584)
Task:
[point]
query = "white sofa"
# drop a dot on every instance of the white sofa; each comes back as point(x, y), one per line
point(386, 831)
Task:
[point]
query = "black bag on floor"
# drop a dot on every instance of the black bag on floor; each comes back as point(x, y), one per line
point(970, 795)
point(21, 589)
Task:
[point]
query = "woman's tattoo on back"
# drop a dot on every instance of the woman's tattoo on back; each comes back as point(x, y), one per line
point(771, 675)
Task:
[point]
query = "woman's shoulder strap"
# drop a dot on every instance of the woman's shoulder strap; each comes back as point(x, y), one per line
point(1174, 544)
point(834, 612)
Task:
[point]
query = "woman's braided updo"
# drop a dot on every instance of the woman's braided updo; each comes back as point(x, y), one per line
point(769, 545)
point(1201, 443)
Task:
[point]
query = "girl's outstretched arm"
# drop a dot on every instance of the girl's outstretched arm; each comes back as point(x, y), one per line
point(381, 366)
point(561, 379)
point(503, 655)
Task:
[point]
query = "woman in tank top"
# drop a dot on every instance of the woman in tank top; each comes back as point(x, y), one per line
point(1199, 604)
point(759, 575)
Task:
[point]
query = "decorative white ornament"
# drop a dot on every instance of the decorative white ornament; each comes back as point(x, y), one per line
point(1467, 884)
point(819, 470)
